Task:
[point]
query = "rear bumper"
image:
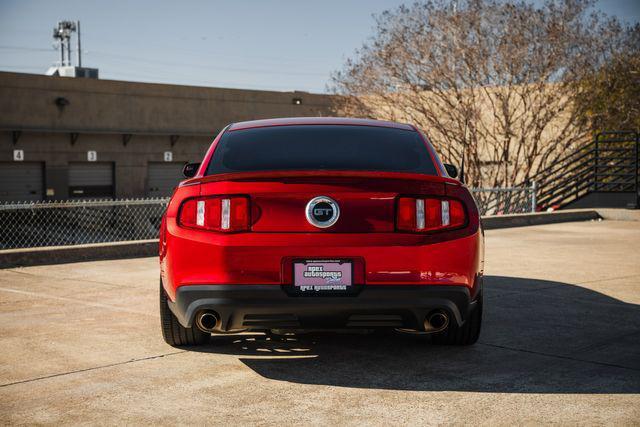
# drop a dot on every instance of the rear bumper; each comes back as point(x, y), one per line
point(272, 307)
point(379, 259)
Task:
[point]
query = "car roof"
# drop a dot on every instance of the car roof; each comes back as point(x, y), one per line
point(291, 121)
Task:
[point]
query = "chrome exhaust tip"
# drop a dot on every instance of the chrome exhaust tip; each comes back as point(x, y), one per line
point(208, 321)
point(436, 321)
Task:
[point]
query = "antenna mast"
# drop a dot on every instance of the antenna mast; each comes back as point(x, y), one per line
point(78, 49)
point(63, 33)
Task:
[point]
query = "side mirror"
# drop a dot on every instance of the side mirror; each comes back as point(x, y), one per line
point(452, 171)
point(190, 169)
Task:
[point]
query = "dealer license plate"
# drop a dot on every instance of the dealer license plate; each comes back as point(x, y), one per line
point(322, 275)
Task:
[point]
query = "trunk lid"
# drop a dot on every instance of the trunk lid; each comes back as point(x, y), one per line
point(366, 200)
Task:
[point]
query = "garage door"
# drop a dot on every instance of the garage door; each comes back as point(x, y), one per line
point(91, 179)
point(162, 178)
point(21, 181)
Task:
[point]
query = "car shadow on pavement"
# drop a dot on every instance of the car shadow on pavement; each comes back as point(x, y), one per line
point(537, 337)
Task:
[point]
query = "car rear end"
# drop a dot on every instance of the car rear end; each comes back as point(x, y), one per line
point(321, 224)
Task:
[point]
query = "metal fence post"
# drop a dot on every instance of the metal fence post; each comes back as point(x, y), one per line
point(534, 187)
point(637, 162)
point(595, 163)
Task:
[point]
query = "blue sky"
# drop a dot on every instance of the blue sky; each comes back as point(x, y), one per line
point(273, 45)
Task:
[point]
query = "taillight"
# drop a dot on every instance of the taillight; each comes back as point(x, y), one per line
point(218, 213)
point(417, 214)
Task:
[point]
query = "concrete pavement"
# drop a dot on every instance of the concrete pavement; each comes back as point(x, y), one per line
point(560, 343)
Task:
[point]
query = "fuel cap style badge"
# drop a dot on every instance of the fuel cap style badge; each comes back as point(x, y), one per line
point(322, 211)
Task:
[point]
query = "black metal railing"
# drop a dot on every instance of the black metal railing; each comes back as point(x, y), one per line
point(608, 164)
point(616, 165)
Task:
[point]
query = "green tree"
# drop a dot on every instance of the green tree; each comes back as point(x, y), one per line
point(608, 98)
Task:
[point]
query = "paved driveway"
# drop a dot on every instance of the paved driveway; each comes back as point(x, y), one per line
point(560, 343)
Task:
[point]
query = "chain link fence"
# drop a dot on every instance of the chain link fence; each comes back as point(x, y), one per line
point(59, 223)
point(508, 200)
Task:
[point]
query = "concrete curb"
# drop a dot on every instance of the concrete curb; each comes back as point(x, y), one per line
point(148, 248)
point(538, 218)
point(77, 253)
point(619, 214)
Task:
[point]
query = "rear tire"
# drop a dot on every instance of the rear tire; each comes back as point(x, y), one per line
point(467, 334)
point(173, 332)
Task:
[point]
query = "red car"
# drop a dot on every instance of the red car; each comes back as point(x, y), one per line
point(312, 223)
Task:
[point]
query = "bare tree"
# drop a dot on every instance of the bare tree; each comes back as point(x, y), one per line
point(488, 81)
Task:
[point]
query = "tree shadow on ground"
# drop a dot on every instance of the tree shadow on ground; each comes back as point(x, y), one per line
point(538, 337)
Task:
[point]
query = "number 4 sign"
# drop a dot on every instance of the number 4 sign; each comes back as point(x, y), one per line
point(18, 155)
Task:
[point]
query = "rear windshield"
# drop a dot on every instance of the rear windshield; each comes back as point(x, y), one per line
point(321, 147)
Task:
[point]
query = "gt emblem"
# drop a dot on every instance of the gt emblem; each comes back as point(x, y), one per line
point(322, 212)
point(317, 212)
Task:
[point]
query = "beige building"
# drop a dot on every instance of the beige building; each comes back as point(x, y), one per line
point(68, 138)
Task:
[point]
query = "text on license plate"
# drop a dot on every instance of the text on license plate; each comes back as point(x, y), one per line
point(322, 275)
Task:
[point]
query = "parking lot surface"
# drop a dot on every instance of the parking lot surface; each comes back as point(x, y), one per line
point(81, 343)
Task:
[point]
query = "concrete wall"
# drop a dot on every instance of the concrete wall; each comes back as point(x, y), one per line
point(100, 115)
point(56, 151)
point(601, 199)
